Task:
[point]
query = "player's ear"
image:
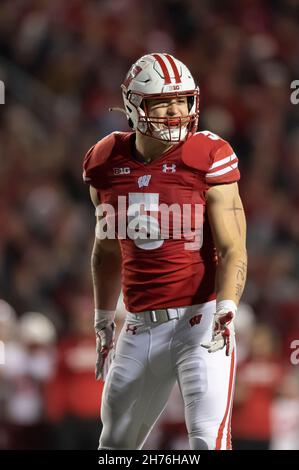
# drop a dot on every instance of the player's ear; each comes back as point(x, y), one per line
point(190, 101)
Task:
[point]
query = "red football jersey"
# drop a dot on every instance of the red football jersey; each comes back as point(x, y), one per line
point(172, 268)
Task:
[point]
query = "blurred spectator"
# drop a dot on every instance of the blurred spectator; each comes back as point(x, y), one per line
point(244, 328)
point(285, 414)
point(28, 365)
point(8, 319)
point(73, 397)
point(258, 379)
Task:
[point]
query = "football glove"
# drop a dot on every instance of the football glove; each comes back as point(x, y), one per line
point(223, 331)
point(105, 335)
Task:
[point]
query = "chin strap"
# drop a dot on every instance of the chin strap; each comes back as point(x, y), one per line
point(120, 110)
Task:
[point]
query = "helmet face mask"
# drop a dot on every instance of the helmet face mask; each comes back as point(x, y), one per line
point(156, 77)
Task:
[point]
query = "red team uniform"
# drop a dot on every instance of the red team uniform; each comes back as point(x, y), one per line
point(169, 275)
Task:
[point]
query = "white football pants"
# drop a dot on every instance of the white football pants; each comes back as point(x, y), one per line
point(149, 358)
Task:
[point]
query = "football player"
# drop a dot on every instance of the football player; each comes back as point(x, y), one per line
point(181, 285)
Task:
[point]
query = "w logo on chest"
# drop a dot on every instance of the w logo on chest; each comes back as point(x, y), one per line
point(144, 180)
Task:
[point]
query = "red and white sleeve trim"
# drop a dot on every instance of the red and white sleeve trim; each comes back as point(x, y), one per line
point(227, 165)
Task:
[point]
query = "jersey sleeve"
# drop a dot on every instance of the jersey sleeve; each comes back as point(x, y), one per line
point(212, 156)
point(223, 165)
point(86, 165)
point(96, 161)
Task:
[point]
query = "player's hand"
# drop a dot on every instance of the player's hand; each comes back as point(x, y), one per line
point(105, 350)
point(105, 335)
point(223, 332)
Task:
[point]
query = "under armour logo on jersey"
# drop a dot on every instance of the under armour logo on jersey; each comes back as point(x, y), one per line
point(170, 168)
point(122, 171)
point(144, 180)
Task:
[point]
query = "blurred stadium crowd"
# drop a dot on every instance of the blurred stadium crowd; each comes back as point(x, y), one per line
point(62, 62)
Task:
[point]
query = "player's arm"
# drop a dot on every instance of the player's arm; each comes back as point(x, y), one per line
point(106, 274)
point(105, 267)
point(228, 225)
point(227, 222)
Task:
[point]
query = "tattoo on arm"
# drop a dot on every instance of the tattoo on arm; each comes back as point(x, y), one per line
point(239, 290)
point(241, 270)
point(241, 276)
point(235, 209)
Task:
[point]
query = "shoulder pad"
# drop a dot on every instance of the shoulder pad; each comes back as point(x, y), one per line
point(97, 156)
point(197, 151)
point(208, 153)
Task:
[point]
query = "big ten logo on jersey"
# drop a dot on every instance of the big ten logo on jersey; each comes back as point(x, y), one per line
point(122, 171)
point(195, 320)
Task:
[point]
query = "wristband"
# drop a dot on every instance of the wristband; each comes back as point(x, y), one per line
point(229, 304)
point(102, 317)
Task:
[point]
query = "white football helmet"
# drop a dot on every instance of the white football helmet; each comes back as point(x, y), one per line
point(160, 75)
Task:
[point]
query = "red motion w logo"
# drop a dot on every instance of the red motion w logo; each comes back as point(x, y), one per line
point(135, 70)
point(195, 320)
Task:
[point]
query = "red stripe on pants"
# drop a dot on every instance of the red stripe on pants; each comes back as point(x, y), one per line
point(228, 404)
